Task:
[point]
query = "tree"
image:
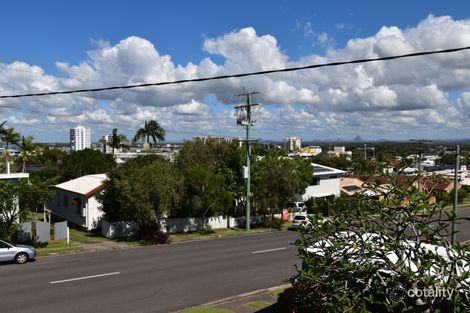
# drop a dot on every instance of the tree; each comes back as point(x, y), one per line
point(10, 212)
point(142, 190)
point(152, 130)
point(2, 129)
point(11, 137)
point(26, 150)
point(86, 162)
point(212, 177)
point(33, 194)
point(375, 256)
point(117, 140)
point(276, 180)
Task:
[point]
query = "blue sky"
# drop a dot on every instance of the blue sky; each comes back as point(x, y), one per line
point(163, 36)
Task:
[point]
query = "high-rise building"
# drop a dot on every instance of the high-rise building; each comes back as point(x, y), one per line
point(292, 143)
point(104, 142)
point(80, 138)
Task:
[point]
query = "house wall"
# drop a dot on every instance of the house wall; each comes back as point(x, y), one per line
point(94, 214)
point(87, 215)
point(327, 186)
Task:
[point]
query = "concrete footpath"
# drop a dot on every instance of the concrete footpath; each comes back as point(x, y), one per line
point(260, 301)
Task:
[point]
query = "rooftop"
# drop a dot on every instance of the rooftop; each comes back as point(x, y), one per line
point(86, 185)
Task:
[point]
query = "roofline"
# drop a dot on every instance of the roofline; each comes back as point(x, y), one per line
point(89, 194)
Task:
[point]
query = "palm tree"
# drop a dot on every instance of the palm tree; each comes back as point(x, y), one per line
point(117, 140)
point(2, 129)
point(152, 130)
point(10, 136)
point(26, 149)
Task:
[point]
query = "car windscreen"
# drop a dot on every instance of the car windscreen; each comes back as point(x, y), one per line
point(300, 218)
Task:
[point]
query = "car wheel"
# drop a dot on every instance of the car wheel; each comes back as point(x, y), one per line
point(21, 258)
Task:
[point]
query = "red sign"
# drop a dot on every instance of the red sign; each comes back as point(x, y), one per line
point(285, 215)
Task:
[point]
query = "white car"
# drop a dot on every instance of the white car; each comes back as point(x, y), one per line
point(17, 253)
point(300, 220)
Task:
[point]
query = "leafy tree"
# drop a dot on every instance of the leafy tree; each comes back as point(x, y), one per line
point(10, 213)
point(212, 177)
point(340, 162)
point(368, 256)
point(276, 180)
point(117, 140)
point(11, 137)
point(152, 130)
point(142, 190)
point(86, 162)
point(33, 194)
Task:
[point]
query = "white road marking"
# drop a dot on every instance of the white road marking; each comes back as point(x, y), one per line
point(269, 250)
point(85, 277)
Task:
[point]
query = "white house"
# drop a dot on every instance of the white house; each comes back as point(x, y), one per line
point(13, 178)
point(326, 181)
point(75, 200)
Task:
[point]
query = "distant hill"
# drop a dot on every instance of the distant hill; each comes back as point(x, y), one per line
point(357, 139)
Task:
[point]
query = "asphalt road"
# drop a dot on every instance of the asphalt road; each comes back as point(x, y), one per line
point(149, 279)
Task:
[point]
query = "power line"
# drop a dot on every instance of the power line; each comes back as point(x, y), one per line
point(290, 69)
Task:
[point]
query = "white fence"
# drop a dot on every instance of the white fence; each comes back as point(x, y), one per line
point(180, 225)
point(41, 232)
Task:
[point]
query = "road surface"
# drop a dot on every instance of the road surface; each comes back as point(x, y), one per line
point(149, 279)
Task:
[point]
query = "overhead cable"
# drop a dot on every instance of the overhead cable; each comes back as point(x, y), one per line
point(289, 69)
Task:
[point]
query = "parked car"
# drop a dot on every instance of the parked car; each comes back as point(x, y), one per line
point(298, 206)
point(300, 220)
point(17, 253)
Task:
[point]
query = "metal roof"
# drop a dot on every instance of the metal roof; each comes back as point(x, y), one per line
point(319, 170)
point(86, 185)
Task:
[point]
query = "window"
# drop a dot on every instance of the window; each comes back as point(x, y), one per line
point(66, 200)
point(4, 245)
point(316, 181)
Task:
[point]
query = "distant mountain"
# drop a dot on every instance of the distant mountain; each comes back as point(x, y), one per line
point(357, 139)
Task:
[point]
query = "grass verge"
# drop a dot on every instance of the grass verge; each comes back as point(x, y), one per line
point(207, 310)
point(259, 305)
point(216, 233)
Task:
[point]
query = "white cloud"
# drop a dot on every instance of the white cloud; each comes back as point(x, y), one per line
point(344, 100)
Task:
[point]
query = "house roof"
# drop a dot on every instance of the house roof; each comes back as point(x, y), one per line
point(319, 170)
point(86, 185)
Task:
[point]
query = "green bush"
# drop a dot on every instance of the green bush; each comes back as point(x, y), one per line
point(274, 223)
point(354, 269)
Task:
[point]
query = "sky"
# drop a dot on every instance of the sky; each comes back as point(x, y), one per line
point(67, 45)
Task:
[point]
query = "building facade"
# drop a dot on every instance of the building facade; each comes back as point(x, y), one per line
point(326, 181)
point(292, 143)
point(80, 138)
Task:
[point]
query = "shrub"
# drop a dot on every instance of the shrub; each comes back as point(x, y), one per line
point(369, 256)
point(155, 239)
point(274, 223)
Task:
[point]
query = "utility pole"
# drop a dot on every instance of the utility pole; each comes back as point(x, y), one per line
point(365, 151)
point(456, 191)
point(245, 120)
point(420, 151)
